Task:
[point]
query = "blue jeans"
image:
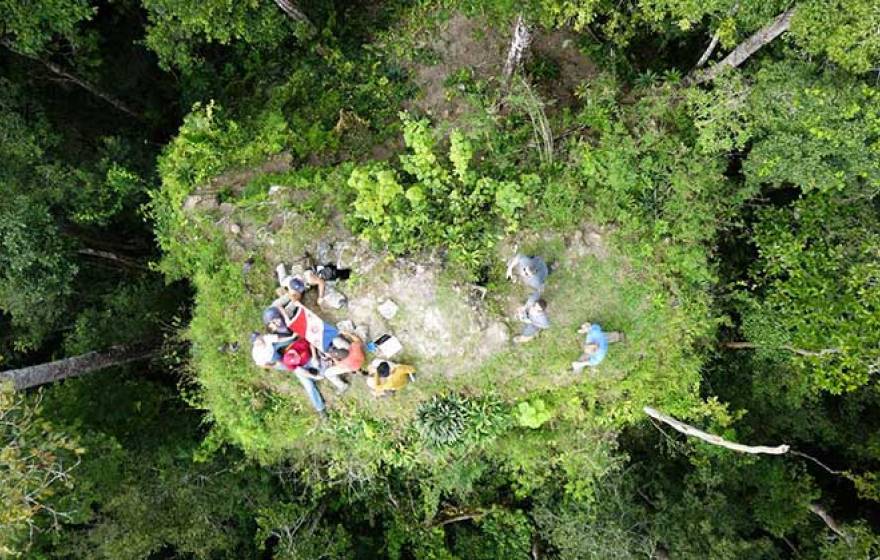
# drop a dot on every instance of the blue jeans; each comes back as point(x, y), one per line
point(311, 391)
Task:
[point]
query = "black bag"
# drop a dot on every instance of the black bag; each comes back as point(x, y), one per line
point(329, 272)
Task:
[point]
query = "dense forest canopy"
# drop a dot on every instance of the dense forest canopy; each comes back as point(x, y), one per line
point(701, 179)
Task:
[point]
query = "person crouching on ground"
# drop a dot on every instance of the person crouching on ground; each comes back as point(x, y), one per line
point(534, 315)
point(384, 378)
point(595, 346)
point(531, 271)
point(347, 353)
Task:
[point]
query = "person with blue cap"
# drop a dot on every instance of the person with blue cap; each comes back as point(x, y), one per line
point(595, 346)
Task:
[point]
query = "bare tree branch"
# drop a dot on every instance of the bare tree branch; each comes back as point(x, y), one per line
point(799, 351)
point(113, 257)
point(689, 430)
point(709, 50)
point(293, 12)
point(455, 519)
point(830, 522)
point(714, 43)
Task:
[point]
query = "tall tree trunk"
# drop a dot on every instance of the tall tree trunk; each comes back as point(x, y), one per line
point(714, 42)
point(293, 12)
point(519, 44)
point(41, 374)
point(709, 50)
point(116, 258)
point(830, 522)
point(745, 49)
point(89, 87)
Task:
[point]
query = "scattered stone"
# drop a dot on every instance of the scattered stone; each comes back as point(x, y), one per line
point(275, 189)
point(388, 309)
point(198, 201)
point(277, 223)
point(234, 229)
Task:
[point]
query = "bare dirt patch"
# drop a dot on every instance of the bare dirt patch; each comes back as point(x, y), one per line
point(459, 43)
point(560, 47)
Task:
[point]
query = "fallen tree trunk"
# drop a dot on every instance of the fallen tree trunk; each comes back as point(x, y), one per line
point(745, 49)
point(689, 430)
point(41, 374)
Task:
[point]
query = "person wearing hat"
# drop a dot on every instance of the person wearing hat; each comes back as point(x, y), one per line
point(531, 271)
point(384, 377)
point(269, 351)
point(595, 346)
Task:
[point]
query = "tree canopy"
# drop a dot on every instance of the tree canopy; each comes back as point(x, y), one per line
point(701, 179)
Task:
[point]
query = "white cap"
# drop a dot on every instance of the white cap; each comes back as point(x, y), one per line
point(262, 351)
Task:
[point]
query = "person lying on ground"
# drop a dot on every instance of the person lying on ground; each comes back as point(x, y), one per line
point(595, 346)
point(299, 358)
point(531, 271)
point(267, 350)
point(288, 354)
point(347, 354)
point(301, 321)
point(322, 277)
point(384, 378)
point(534, 315)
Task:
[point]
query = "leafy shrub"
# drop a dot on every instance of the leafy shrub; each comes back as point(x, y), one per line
point(428, 204)
point(533, 414)
point(449, 420)
point(441, 421)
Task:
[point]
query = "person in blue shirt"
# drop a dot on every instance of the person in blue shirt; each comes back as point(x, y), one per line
point(595, 346)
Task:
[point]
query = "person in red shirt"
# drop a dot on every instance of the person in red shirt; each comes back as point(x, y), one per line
point(347, 353)
point(297, 354)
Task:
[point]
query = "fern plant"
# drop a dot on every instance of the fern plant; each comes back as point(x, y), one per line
point(442, 420)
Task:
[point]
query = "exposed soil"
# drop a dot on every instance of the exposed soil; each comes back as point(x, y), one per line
point(561, 48)
point(460, 43)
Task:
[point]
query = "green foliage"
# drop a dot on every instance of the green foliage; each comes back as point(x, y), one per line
point(31, 28)
point(532, 414)
point(37, 459)
point(301, 533)
point(453, 420)
point(137, 491)
point(502, 534)
point(178, 29)
point(803, 303)
point(844, 31)
point(646, 173)
point(36, 273)
point(431, 204)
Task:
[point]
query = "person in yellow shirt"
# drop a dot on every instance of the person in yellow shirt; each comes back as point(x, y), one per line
point(385, 378)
